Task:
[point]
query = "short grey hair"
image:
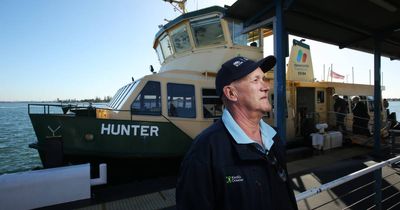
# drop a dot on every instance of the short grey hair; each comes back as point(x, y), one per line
point(355, 98)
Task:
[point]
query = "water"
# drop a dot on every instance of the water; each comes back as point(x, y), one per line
point(394, 106)
point(16, 133)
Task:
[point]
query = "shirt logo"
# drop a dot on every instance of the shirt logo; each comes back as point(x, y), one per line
point(233, 179)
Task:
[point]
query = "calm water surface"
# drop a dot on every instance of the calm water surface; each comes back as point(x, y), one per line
point(16, 133)
point(394, 106)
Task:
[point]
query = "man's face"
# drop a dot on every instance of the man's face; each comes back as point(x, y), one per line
point(252, 92)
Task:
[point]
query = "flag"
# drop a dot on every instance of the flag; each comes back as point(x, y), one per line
point(336, 75)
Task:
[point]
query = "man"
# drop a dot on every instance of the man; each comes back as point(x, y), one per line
point(360, 117)
point(386, 106)
point(340, 108)
point(238, 162)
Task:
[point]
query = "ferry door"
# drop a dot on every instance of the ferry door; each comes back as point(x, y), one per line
point(305, 111)
point(321, 105)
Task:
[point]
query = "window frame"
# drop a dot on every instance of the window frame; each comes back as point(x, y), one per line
point(215, 105)
point(194, 24)
point(178, 109)
point(179, 30)
point(168, 51)
point(158, 100)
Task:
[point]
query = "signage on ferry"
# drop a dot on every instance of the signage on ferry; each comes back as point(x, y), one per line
point(128, 130)
point(300, 65)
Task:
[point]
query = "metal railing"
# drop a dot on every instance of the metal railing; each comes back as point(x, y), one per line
point(392, 192)
point(342, 180)
point(331, 119)
point(59, 108)
point(46, 109)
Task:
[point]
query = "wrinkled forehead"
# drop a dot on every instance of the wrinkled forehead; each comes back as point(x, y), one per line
point(256, 73)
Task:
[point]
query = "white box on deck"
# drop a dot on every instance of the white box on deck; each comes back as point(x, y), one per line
point(326, 141)
point(336, 138)
point(319, 140)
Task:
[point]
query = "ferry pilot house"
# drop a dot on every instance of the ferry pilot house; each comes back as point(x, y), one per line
point(181, 97)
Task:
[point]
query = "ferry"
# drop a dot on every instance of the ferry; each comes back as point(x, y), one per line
point(152, 121)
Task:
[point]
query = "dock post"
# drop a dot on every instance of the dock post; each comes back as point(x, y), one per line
point(280, 51)
point(377, 119)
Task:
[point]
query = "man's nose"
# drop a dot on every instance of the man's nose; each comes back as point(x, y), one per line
point(265, 86)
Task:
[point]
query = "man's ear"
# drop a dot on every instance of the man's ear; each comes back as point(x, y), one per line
point(230, 93)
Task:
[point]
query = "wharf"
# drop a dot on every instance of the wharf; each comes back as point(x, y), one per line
point(305, 174)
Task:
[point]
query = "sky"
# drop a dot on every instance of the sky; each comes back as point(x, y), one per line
point(82, 49)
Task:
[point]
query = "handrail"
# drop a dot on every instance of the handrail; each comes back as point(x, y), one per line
point(344, 179)
point(46, 107)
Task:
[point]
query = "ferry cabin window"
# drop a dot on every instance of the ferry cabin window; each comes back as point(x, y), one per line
point(207, 32)
point(159, 54)
point(166, 47)
point(181, 100)
point(254, 38)
point(122, 95)
point(115, 98)
point(212, 104)
point(180, 39)
point(320, 97)
point(236, 28)
point(148, 102)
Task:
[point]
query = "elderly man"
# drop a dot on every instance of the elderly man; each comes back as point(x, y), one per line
point(238, 162)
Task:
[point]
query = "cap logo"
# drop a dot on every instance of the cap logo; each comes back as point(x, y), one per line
point(237, 63)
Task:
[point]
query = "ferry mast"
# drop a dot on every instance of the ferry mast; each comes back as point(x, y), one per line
point(180, 4)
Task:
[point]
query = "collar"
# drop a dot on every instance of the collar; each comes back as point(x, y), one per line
point(267, 132)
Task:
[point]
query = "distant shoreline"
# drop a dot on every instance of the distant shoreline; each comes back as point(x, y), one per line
point(28, 101)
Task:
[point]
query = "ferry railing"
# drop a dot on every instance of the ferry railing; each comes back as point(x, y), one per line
point(54, 108)
point(340, 181)
point(63, 108)
point(45, 107)
point(348, 121)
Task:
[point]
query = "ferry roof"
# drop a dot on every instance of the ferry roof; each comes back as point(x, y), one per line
point(347, 24)
point(188, 16)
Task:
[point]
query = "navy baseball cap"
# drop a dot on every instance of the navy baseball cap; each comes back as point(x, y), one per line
point(239, 67)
